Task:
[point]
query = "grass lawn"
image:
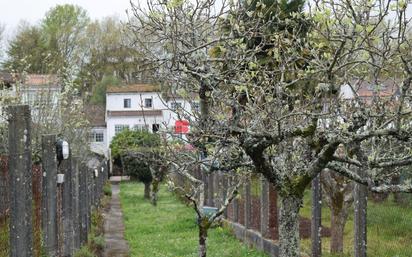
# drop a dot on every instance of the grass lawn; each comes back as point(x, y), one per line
point(169, 230)
point(389, 230)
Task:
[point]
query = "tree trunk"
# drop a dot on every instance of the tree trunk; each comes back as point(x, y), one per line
point(147, 190)
point(155, 190)
point(337, 227)
point(289, 226)
point(202, 241)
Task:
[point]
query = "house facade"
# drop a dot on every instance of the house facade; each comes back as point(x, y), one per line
point(98, 137)
point(40, 91)
point(141, 106)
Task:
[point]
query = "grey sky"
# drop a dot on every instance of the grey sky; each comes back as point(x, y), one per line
point(13, 11)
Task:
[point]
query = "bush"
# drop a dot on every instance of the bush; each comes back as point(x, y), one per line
point(84, 252)
point(107, 189)
point(136, 150)
point(98, 243)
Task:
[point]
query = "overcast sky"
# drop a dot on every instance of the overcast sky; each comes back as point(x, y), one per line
point(13, 11)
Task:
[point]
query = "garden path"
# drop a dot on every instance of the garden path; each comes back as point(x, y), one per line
point(116, 245)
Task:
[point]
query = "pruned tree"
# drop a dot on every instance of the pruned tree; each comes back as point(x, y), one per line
point(186, 179)
point(286, 86)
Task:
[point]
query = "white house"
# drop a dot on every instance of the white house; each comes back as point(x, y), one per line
point(98, 138)
point(141, 106)
point(36, 90)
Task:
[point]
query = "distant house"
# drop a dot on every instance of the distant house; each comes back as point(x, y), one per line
point(386, 89)
point(98, 138)
point(141, 106)
point(40, 88)
point(36, 90)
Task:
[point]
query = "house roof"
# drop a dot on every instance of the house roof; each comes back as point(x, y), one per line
point(386, 88)
point(41, 80)
point(7, 77)
point(95, 115)
point(135, 88)
point(134, 113)
point(367, 90)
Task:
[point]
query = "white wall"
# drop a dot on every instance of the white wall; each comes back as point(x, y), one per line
point(115, 102)
point(100, 147)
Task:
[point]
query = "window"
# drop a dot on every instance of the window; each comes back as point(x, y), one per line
point(141, 127)
point(175, 106)
point(127, 103)
point(96, 137)
point(155, 128)
point(99, 137)
point(148, 102)
point(120, 128)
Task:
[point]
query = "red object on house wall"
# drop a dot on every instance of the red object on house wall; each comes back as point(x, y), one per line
point(181, 127)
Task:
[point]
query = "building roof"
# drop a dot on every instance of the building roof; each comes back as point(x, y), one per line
point(135, 88)
point(7, 77)
point(364, 89)
point(41, 80)
point(95, 115)
point(134, 113)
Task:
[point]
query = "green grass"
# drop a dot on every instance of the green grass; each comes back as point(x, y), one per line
point(169, 230)
point(389, 230)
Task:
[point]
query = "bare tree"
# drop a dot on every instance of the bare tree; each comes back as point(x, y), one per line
point(185, 178)
point(285, 86)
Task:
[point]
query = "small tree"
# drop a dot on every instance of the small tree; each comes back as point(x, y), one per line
point(136, 150)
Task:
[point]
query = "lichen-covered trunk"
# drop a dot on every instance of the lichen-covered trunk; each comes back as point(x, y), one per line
point(289, 226)
point(202, 241)
point(337, 227)
point(155, 190)
point(147, 190)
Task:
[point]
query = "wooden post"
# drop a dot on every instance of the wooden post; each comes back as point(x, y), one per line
point(21, 211)
point(248, 205)
point(210, 189)
point(83, 203)
point(4, 187)
point(89, 183)
point(235, 205)
point(316, 217)
point(67, 207)
point(273, 211)
point(264, 208)
point(361, 205)
point(76, 203)
point(49, 194)
point(224, 190)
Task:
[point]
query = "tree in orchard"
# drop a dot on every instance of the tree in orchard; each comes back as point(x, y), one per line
point(271, 86)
